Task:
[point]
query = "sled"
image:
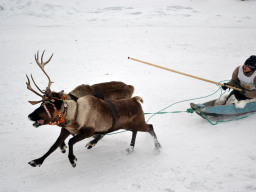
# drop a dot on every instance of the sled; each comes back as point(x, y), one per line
point(208, 109)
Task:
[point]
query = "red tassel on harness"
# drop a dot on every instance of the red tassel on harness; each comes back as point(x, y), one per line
point(60, 118)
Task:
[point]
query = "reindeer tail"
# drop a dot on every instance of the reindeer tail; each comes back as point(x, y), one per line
point(131, 90)
point(138, 99)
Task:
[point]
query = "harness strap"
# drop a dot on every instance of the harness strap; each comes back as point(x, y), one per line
point(47, 111)
point(71, 97)
point(114, 113)
point(59, 116)
point(98, 93)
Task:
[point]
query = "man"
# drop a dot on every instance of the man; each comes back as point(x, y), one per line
point(244, 77)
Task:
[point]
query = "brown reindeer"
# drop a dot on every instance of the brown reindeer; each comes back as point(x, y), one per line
point(109, 90)
point(85, 117)
point(89, 116)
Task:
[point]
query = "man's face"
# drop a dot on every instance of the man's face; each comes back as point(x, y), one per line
point(246, 69)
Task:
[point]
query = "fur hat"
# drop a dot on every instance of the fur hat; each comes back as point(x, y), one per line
point(251, 62)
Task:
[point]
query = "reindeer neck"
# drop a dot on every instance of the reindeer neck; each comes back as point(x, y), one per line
point(71, 110)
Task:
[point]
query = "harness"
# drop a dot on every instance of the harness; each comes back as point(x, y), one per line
point(98, 93)
point(69, 97)
point(60, 117)
point(114, 113)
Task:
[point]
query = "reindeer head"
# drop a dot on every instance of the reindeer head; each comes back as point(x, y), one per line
point(51, 101)
point(47, 113)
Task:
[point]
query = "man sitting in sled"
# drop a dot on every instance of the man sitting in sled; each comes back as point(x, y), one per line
point(244, 77)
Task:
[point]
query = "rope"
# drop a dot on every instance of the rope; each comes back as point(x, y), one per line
point(190, 110)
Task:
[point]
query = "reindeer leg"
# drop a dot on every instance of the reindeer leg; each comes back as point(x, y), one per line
point(63, 135)
point(153, 134)
point(84, 133)
point(63, 147)
point(131, 148)
point(93, 142)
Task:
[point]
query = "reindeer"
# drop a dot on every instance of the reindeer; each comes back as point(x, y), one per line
point(113, 90)
point(88, 116)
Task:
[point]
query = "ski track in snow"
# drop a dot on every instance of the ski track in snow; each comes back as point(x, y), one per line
point(91, 42)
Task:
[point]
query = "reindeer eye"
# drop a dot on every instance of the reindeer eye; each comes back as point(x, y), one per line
point(50, 107)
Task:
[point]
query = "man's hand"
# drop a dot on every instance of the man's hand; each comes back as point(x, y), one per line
point(224, 87)
point(243, 91)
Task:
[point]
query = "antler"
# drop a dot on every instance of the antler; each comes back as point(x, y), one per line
point(41, 65)
point(31, 89)
point(36, 84)
point(46, 93)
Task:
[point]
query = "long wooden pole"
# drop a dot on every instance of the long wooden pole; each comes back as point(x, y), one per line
point(199, 78)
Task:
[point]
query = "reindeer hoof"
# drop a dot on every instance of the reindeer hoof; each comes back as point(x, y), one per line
point(35, 163)
point(90, 145)
point(63, 148)
point(158, 146)
point(129, 150)
point(72, 160)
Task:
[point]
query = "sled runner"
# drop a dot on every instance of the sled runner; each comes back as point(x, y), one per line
point(210, 109)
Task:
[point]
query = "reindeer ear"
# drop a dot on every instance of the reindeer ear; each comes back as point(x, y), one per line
point(34, 102)
point(60, 93)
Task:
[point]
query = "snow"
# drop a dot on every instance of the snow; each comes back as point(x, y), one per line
point(91, 41)
point(242, 103)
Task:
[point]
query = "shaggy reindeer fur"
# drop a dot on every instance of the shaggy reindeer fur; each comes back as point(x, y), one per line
point(95, 113)
point(113, 90)
point(91, 115)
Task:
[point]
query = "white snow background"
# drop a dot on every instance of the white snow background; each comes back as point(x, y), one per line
point(91, 41)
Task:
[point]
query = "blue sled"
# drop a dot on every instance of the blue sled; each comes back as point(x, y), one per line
point(208, 109)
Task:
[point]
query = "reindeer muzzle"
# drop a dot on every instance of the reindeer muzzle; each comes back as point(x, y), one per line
point(38, 123)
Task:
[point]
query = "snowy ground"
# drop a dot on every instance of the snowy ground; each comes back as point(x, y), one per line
point(91, 41)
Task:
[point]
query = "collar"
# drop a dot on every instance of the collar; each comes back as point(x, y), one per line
point(70, 110)
point(69, 97)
